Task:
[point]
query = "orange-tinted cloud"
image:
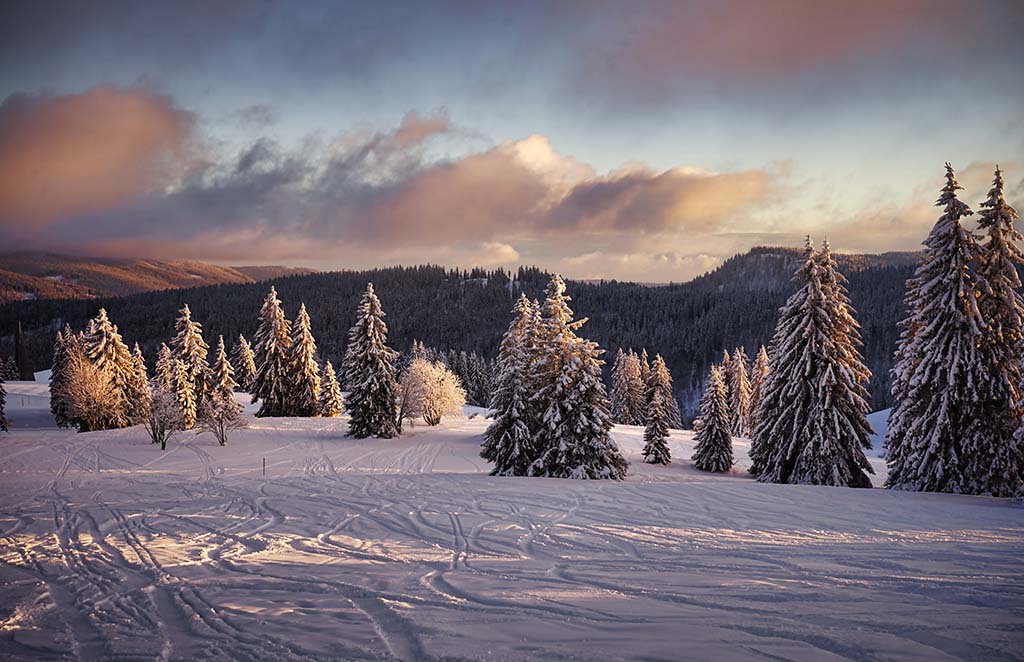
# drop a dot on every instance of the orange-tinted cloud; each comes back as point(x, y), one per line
point(64, 156)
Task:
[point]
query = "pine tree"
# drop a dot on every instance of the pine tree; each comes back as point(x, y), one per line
point(58, 377)
point(102, 345)
point(508, 441)
point(224, 383)
point(813, 425)
point(659, 380)
point(656, 449)
point(739, 405)
point(573, 436)
point(244, 362)
point(164, 376)
point(185, 395)
point(645, 371)
point(757, 377)
point(3, 405)
point(996, 466)
point(629, 402)
point(137, 389)
point(273, 339)
point(303, 370)
point(713, 451)
point(189, 347)
point(370, 373)
point(330, 403)
point(938, 437)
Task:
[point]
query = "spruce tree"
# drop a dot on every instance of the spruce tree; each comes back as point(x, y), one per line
point(656, 449)
point(224, 383)
point(58, 377)
point(103, 347)
point(185, 395)
point(757, 376)
point(660, 381)
point(713, 451)
point(164, 376)
point(330, 400)
point(938, 436)
point(273, 339)
point(508, 442)
point(628, 397)
point(189, 347)
point(813, 425)
point(137, 390)
point(573, 436)
point(996, 466)
point(244, 362)
point(303, 369)
point(739, 405)
point(370, 373)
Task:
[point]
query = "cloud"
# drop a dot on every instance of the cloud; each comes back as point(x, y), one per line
point(66, 156)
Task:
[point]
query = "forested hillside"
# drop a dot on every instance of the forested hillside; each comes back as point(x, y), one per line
point(688, 323)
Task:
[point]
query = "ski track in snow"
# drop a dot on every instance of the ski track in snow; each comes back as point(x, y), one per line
point(404, 549)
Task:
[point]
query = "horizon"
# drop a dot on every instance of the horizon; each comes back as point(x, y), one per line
point(600, 141)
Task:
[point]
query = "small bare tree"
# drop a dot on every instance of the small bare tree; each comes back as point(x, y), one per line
point(430, 390)
point(221, 416)
point(162, 418)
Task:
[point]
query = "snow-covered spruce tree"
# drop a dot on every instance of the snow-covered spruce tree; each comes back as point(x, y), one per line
point(370, 373)
point(303, 369)
point(739, 405)
point(660, 380)
point(508, 441)
point(137, 390)
point(573, 434)
point(757, 376)
point(273, 338)
point(620, 400)
point(997, 465)
point(10, 369)
point(189, 347)
point(645, 371)
point(103, 346)
point(185, 395)
point(330, 401)
point(224, 383)
point(713, 451)
point(3, 405)
point(244, 362)
point(942, 381)
point(656, 449)
point(58, 377)
point(813, 425)
point(847, 331)
point(164, 368)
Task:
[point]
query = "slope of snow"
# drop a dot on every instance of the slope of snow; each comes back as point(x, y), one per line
point(406, 549)
point(880, 422)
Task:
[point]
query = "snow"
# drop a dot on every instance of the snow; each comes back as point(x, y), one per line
point(880, 423)
point(406, 549)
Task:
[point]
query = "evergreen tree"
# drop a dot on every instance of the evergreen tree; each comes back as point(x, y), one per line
point(645, 371)
point(189, 347)
point(758, 374)
point(102, 345)
point(330, 403)
point(3, 405)
point(659, 380)
point(739, 405)
point(244, 362)
point(813, 419)
point(185, 395)
point(24, 367)
point(137, 391)
point(303, 370)
point(370, 373)
point(164, 376)
point(224, 383)
point(273, 339)
point(508, 441)
point(629, 401)
point(10, 369)
point(656, 449)
point(997, 465)
point(939, 439)
point(573, 437)
point(58, 377)
point(713, 451)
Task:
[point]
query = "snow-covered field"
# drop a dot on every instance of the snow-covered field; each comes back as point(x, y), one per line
point(406, 549)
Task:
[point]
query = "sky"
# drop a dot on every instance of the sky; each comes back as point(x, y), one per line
point(645, 141)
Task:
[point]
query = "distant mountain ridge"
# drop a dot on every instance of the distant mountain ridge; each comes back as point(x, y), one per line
point(30, 275)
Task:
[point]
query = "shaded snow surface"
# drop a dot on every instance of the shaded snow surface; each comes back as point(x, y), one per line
point(406, 549)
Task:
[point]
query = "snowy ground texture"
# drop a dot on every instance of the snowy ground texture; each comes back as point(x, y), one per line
point(406, 549)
